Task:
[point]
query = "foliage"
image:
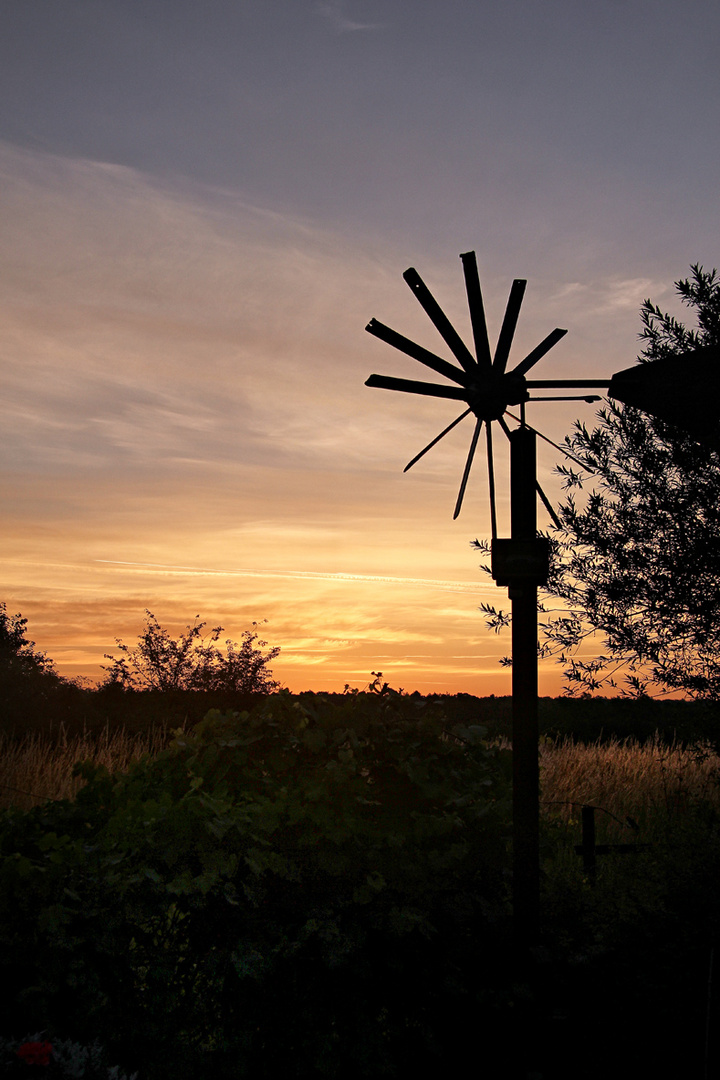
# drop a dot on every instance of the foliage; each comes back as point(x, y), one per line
point(315, 888)
point(192, 661)
point(39, 765)
point(267, 921)
point(32, 694)
point(19, 659)
point(637, 560)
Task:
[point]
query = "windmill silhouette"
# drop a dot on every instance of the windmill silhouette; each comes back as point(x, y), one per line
point(681, 390)
point(521, 562)
point(482, 381)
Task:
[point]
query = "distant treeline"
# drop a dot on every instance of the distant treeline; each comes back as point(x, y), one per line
point(46, 707)
point(590, 719)
point(52, 708)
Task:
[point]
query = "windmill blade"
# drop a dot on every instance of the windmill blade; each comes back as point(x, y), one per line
point(438, 317)
point(468, 463)
point(546, 502)
point(539, 351)
point(405, 345)
point(437, 439)
point(409, 386)
point(477, 312)
point(491, 479)
point(507, 331)
point(548, 506)
point(548, 441)
point(504, 426)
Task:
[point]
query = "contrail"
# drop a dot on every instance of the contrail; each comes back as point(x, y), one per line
point(425, 583)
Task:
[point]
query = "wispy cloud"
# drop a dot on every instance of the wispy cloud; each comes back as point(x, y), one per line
point(149, 323)
point(308, 575)
point(335, 11)
point(609, 295)
point(183, 380)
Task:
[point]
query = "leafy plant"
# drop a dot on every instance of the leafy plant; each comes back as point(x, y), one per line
point(319, 885)
point(640, 558)
point(18, 655)
point(31, 691)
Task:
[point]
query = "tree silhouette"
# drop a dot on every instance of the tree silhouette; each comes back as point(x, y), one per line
point(636, 562)
point(192, 661)
point(32, 694)
point(18, 656)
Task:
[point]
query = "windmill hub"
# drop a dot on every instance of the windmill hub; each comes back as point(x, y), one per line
point(490, 398)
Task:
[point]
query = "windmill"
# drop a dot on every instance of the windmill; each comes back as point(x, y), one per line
point(483, 382)
point(681, 390)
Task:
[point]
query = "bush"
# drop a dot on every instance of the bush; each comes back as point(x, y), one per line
point(317, 887)
point(193, 661)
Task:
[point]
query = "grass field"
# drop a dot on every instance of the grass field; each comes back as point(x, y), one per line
point(624, 778)
point(635, 941)
point(39, 766)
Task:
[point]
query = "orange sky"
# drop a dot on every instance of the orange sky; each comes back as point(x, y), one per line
point(188, 431)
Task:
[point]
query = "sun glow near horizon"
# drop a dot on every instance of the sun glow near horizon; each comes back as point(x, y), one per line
point(333, 628)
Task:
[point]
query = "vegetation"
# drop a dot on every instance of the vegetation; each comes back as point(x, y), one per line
point(19, 659)
point(162, 682)
point(307, 888)
point(39, 765)
point(320, 887)
point(32, 694)
point(192, 661)
point(624, 776)
point(636, 562)
point(640, 562)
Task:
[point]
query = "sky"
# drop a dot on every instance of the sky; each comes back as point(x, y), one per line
point(202, 206)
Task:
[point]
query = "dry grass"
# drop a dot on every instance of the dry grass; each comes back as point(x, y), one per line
point(625, 778)
point(39, 767)
point(648, 782)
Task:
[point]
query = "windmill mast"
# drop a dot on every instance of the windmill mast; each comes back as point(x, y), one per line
point(519, 562)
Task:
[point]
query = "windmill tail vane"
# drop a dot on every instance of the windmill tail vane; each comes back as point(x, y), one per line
point(482, 380)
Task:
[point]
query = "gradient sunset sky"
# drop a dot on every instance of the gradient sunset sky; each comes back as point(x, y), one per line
point(203, 204)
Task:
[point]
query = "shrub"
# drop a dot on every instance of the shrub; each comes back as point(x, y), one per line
point(317, 887)
point(192, 661)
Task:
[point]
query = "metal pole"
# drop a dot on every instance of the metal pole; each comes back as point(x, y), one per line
point(526, 793)
point(588, 843)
